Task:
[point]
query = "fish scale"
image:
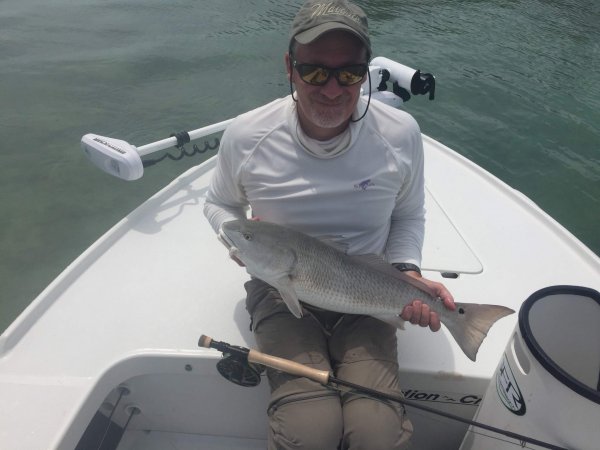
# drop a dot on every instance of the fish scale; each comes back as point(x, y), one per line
point(359, 289)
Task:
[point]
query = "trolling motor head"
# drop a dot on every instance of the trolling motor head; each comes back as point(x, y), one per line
point(113, 156)
point(234, 365)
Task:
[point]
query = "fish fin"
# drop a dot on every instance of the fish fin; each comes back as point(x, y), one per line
point(378, 263)
point(289, 296)
point(469, 324)
point(393, 320)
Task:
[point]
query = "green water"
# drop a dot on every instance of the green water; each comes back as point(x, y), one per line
point(518, 92)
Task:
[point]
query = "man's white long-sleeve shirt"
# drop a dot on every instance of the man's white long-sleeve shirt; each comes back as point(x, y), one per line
point(368, 197)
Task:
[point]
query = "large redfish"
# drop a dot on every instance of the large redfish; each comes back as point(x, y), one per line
point(304, 268)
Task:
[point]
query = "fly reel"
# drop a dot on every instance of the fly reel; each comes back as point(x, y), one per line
point(234, 365)
point(239, 371)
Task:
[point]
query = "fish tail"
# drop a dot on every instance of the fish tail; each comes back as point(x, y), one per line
point(470, 323)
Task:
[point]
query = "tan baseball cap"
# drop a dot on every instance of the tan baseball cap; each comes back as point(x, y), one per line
point(318, 17)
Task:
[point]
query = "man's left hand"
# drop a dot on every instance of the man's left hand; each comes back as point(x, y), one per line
point(419, 313)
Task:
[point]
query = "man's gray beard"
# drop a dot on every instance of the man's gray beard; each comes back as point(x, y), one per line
point(326, 119)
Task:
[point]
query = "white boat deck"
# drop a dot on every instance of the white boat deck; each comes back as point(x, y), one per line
point(130, 311)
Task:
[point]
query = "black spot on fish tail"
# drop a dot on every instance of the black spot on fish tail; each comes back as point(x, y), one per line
point(470, 326)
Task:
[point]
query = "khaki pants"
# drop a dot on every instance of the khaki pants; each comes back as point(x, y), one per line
point(304, 414)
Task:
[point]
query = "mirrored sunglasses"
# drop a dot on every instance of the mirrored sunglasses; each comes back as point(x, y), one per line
point(317, 75)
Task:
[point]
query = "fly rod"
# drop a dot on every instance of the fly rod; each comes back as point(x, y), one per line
point(239, 365)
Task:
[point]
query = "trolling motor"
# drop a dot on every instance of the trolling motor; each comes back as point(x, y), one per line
point(243, 366)
point(124, 160)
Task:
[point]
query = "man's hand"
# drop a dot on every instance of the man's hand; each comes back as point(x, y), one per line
point(418, 313)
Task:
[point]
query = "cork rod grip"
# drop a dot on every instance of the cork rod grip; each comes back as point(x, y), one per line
point(287, 366)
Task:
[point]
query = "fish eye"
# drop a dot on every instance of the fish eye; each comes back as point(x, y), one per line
point(247, 236)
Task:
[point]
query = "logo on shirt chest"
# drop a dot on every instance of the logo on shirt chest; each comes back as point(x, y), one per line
point(363, 185)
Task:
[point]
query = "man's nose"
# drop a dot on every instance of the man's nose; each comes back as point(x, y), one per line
point(332, 88)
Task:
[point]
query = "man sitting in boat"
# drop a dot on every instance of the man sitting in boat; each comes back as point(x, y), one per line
point(333, 165)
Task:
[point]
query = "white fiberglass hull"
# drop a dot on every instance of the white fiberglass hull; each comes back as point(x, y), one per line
point(130, 310)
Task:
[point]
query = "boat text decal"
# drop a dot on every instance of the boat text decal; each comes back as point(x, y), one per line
point(508, 389)
point(441, 397)
point(109, 145)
